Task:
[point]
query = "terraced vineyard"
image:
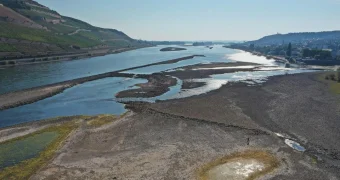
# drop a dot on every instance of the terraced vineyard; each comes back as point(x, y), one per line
point(32, 22)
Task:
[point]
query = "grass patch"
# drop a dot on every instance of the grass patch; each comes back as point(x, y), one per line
point(7, 47)
point(269, 161)
point(101, 120)
point(28, 167)
point(19, 32)
point(334, 84)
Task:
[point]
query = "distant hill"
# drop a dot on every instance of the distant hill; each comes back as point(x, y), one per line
point(298, 37)
point(28, 29)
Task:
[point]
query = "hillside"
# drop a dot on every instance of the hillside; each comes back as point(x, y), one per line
point(298, 37)
point(29, 29)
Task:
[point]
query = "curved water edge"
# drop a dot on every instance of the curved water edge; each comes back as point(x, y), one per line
point(90, 98)
point(24, 77)
point(98, 97)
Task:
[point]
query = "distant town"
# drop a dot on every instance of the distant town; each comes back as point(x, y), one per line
point(321, 48)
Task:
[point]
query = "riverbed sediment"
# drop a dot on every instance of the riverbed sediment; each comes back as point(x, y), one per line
point(175, 139)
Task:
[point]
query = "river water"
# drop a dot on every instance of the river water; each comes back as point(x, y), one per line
point(98, 97)
point(23, 77)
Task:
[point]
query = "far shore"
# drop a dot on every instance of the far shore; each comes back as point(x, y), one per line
point(276, 58)
point(67, 57)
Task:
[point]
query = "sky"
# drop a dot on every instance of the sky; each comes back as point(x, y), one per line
point(192, 20)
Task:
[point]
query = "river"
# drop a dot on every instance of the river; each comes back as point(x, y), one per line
point(98, 97)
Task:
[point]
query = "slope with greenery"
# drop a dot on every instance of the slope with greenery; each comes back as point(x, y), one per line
point(46, 26)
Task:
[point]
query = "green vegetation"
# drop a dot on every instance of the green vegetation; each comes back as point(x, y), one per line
point(58, 28)
point(55, 34)
point(14, 152)
point(26, 168)
point(332, 79)
point(19, 32)
point(34, 15)
point(21, 157)
point(77, 23)
point(289, 50)
point(7, 48)
point(317, 54)
point(100, 120)
point(18, 4)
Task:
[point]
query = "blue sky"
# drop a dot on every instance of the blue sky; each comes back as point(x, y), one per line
point(203, 19)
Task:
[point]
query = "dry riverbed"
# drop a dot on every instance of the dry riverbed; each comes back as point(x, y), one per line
point(202, 136)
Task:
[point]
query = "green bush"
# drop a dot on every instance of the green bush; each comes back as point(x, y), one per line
point(332, 77)
point(12, 62)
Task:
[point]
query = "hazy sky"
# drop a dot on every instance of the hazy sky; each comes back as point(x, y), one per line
point(203, 19)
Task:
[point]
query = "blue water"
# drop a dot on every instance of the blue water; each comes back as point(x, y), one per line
point(96, 97)
point(23, 77)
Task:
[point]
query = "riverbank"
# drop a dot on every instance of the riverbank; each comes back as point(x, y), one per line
point(68, 57)
point(27, 96)
point(175, 139)
point(278, 59)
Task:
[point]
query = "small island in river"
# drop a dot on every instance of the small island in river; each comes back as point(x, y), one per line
point(173, 49)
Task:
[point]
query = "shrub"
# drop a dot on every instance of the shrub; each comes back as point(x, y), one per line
point(327, 77)
point(332, 77)
point(12, 62)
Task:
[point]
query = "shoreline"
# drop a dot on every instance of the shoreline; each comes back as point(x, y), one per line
point(72, 57)
point(192, 133)
point(31, 95)
point(276, 58)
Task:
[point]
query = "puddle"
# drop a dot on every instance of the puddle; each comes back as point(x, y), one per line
point(237, 170)
point(294, 145)
point(240, 166)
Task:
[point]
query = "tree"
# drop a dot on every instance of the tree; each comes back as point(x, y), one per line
point(289, 50)
point(252, 47)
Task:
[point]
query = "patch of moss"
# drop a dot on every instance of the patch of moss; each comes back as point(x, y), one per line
point(101, 120)
point(269, 161)
point(26, 168)
point(334, 86)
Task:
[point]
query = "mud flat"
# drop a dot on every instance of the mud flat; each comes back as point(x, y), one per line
point(27, 96)
point(157, 85)
point(205, 70)
point(177, 139)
